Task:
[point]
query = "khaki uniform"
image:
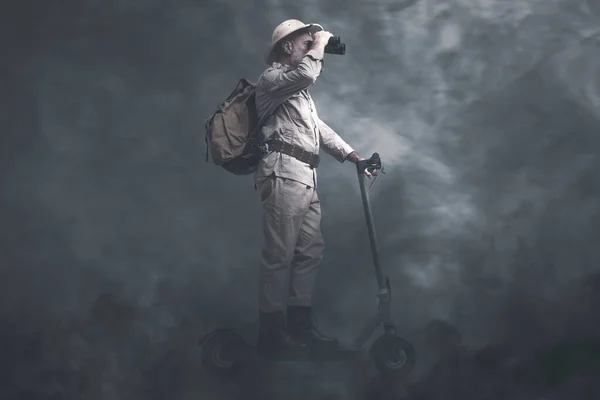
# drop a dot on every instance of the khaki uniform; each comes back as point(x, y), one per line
point(293, 244)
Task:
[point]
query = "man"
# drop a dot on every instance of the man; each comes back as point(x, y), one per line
point(286, 179)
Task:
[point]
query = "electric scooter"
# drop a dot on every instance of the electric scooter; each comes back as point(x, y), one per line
point(224, 351)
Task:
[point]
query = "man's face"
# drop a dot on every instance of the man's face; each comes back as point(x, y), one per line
point(300, 46)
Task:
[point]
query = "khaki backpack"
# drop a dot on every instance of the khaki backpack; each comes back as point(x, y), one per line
point(232, 131)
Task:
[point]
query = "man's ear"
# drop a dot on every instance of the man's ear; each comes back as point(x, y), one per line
point(287, 47)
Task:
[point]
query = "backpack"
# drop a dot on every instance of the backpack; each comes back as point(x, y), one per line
point(232, 131)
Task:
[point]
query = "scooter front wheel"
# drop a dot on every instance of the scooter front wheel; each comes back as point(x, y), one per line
point(223, 352)
point(393, 356)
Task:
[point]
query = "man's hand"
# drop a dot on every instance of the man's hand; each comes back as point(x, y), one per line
point(320, 40)
point(354, 157)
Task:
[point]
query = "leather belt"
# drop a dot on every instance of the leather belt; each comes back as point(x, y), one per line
point(297, 152)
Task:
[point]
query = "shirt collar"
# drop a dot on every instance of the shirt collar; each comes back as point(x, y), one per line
point(280, 66)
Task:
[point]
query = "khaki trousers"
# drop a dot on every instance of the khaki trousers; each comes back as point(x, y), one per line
point(293, 244)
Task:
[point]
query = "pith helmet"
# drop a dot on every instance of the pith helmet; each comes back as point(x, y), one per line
point(284, 29)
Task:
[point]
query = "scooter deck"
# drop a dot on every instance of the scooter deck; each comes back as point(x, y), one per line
point(242, 350)
point(339, 354)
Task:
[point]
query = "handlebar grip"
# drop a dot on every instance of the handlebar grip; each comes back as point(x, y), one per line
point(372, 163)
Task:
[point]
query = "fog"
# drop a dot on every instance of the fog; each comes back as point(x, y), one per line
point(120, 246)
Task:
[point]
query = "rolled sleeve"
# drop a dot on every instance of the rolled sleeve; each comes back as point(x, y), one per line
point(315, 56)
point(332, 143)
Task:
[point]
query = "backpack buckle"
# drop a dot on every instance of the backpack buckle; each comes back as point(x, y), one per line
point(264, 148)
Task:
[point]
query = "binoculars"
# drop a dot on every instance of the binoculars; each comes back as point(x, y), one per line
point(335, 46)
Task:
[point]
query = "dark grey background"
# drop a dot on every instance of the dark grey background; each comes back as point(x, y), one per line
point(120, 246)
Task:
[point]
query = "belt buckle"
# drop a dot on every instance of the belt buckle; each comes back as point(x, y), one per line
point(317, 159)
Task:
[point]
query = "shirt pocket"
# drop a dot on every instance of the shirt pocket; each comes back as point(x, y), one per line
point(298, 109)
point(288, 135)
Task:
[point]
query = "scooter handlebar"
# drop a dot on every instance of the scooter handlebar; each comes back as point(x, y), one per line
point(370, 164)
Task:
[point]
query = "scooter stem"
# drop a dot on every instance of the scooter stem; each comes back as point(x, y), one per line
point(360, 167)
point(384, 293)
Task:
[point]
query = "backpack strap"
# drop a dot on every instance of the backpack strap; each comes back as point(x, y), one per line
point(260, 123)
point(263, 120)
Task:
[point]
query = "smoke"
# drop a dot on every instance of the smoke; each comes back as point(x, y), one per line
point(483, 112)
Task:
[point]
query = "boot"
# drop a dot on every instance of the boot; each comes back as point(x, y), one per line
point(274, 341)
point(301, 326)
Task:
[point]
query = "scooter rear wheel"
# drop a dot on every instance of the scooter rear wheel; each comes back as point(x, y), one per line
point(393, 356)
point(222, 352)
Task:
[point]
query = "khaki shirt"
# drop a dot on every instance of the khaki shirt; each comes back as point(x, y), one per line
point(295, 120)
